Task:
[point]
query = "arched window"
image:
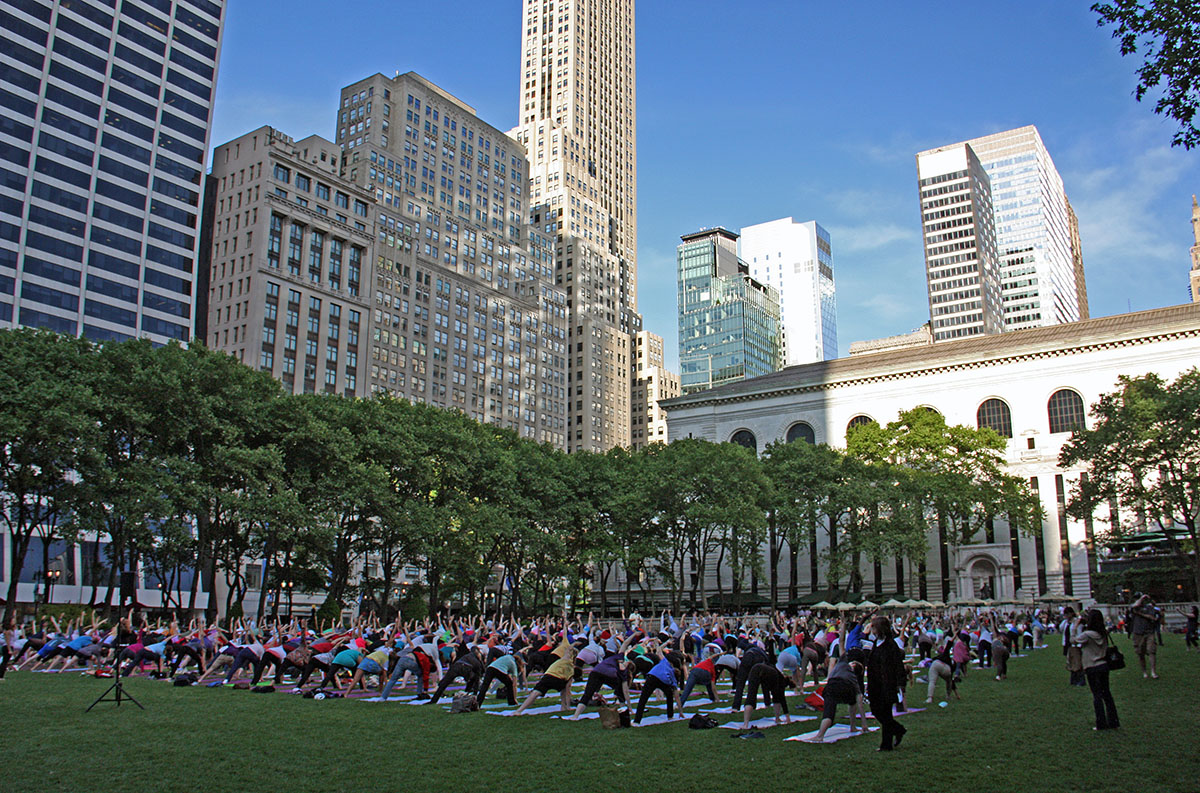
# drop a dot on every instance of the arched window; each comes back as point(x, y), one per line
point(801, 431)
point(994, 414)
point(745, 438)
point(932, 410)
point(858, 421)
point(1066, 412)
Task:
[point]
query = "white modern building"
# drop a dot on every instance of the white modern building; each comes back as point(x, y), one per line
point(797, 259)
point(958, 232)
point(1032, 386)
point(1040, 284)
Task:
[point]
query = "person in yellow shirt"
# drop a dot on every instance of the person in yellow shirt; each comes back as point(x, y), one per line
point(557, 677)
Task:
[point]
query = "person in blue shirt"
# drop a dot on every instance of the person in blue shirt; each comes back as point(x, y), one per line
point(663, 676)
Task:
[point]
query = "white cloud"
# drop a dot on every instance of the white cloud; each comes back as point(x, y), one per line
point(869, 236)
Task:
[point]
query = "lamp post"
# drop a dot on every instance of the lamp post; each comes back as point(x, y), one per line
point(52, 576)
point(289, 587)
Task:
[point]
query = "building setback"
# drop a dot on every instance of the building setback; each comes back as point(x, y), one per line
point(578, 125)
point(291, 243)
point(1032, 386)
point(652, 383)
point(464, 314)
point(728, 321)
point(106, 119)
point(958, 232)
point(796, 259)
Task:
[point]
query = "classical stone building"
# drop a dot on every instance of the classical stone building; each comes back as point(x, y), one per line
point(1032, 386)
point(652, 384)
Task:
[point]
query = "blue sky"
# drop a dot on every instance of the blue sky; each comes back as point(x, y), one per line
point(749, 112)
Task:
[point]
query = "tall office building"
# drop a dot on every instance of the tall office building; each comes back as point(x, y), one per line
point(464, 314)
point(797, 259)
point(652, 383)
point(103, 137)
point(578, 126)
point(728, 321)
point(1195, 275)
point(1041, 263)
point(291, 241)
point(961, 264)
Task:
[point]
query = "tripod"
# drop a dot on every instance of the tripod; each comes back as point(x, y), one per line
point(117, 689)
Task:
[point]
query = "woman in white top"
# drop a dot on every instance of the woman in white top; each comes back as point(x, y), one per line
point(1092, 637)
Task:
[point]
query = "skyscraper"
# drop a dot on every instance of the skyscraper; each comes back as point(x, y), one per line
point(103, 138)
point(728, 321)
point(463, 311)
point(1195, 275)
point(961, 265)
point(1041, 263)
point(797, 259)
point(578, 126)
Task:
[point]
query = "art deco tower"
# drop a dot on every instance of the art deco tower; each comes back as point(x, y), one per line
point(578, 125)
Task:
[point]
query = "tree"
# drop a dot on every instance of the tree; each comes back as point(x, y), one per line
point(1167, 32)
point(1142, 454)
point(47, 434)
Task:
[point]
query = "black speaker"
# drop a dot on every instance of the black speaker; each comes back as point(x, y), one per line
point(128, 587)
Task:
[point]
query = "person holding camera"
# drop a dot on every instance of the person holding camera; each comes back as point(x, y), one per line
point(1090, 635)
point(1145, 618)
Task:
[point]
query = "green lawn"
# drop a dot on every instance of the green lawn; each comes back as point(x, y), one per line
point(1030, 733)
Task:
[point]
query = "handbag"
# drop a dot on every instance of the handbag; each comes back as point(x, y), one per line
point(1113, 656)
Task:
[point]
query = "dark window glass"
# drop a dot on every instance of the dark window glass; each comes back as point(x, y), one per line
point(65, 148)
point(282, 174)
point(185, 172)
point(7, 284)
point(127, 172)
point(172, 236)
point(30, 82)
point(112, 289)
point(83, 32)
point(165, 281)
point(73, 102)
point(22, 28)
point(135, 81)
point(88, 11)
point(12, 180)
point(176, 146)
point(50, 270)
point(56, 195)
point(32, 318)
point(129, 102)
point(33, 8)
point(88, 85)
point(48, 296)
point(123, 122)
point(68, 124)
point(116, 241)
point(152, 21)
point(194, 43)
point(113, 264)
point(186, 128)
point(166, 305)
point(180, 80)
point(23, 54)
point(103, 334)
point(134, 198)
point(800, 431)
point(185, 105)
point(62, 223)
point(60, 171)
point(78, 54)
point(199, 67)
point(1066, 412)
point(94, 307)
point(212, 9)
point(175, 191)
point(745, 438)
point(995, 414)
point(164, 328)
point(122, 146)
point(10, 126)
point(858, 421)
point(205, 27)
point(117, 217)
point(14, 154)
point(131, 32)
point(168, 212)
point(44, 242)
point(143, 62)
point(175, 260)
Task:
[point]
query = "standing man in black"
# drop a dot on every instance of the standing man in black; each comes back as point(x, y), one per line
point(885, 671)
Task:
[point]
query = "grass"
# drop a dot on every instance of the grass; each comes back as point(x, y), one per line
point(1029, 733)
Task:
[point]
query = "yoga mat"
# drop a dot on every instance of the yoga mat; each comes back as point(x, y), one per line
point(648, 721)
point(528, 712)
point(898, 713)
point(837, 732)
point(761, 724)
point(401, 698)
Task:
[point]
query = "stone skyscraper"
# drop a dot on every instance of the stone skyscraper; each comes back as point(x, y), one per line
point(107, 110)
point(1195, 275)
point(578, 126)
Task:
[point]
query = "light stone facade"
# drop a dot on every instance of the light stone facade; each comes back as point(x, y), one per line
point(1195, 274)
point(652, 384)
point(1025, 370)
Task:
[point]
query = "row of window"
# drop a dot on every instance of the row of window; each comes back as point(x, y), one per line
point(1065, 412)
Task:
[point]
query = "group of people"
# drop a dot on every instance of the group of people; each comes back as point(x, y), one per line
point(853, 661)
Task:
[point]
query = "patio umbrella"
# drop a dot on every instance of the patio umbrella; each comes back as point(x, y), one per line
point(844, 606)
point(824, 604)
point(892, 603)
point(866, 604)
point(1056, 598)
point(937, 604)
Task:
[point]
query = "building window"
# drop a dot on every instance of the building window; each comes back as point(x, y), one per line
point(858, 421)
point(745, 438)
point(1066, 412)
point(282, 174)
point(801, 431)
point(995, 414)
point(302, 182)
